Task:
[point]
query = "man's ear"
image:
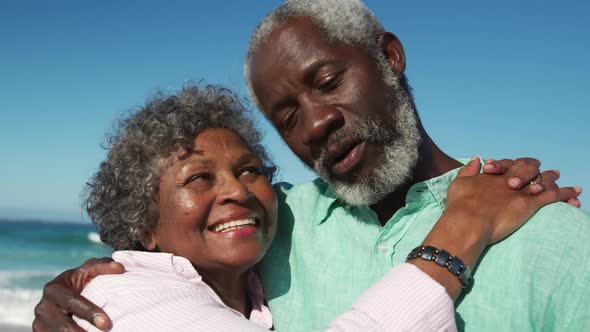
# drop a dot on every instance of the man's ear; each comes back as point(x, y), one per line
point(394, 52)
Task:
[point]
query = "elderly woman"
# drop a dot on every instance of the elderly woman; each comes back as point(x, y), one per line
point(185, 200)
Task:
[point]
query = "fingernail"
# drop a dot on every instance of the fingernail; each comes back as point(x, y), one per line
point(557, 172)
point(99, 321)
point(489, 161)
point(476, 157)
point(488, 167)
point(578, 190)
point(536, 188)
point(514, 182)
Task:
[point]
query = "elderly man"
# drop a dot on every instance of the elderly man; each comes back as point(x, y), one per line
point(331, 80)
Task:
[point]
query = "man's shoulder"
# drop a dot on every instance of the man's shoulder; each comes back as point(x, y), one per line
point(559, 222)
point(314, 188)
point(542, 269)
point(554, 241)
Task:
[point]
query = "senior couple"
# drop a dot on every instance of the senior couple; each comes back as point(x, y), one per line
point(185, 199)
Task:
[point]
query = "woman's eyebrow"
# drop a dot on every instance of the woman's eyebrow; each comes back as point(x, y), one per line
point(245, 158)
point(190, 163)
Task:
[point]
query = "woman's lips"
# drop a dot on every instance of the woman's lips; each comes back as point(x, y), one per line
point(350, 160)
point(236, 228)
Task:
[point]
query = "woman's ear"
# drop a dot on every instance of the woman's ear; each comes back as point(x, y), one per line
point(394, 52)
point(150, 242)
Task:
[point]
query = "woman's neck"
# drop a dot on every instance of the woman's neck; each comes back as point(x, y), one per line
point(232, 289)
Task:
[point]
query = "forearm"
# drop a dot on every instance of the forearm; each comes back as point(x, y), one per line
point(455, 233)
point(405, 299)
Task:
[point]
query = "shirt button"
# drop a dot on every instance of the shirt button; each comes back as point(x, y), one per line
point(382, 248)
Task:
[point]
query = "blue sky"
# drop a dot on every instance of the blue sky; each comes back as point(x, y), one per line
point(498, 79)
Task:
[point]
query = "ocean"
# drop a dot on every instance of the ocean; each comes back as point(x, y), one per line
point(33, 253)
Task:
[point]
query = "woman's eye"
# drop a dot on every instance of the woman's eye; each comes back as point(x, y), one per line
point(201, 177)
point(250, 172)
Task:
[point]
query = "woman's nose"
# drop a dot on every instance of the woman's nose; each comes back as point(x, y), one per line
point(232, 190)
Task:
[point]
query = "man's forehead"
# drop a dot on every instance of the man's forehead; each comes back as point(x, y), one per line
point(297, 33)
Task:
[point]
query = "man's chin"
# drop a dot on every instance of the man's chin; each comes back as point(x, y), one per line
point(355, 190)
point(357, 194)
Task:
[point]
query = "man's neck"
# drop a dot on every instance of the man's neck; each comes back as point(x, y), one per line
point(432, 162)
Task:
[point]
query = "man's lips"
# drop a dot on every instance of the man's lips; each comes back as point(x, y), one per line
point(346, 157)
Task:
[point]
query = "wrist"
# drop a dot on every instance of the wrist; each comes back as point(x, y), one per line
point(461, 234)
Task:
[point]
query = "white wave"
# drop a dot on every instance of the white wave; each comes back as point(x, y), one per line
point(94, 237)
point(9, 277)
point(17, 306)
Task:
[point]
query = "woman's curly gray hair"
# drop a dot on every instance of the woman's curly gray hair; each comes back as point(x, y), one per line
point(121, 197)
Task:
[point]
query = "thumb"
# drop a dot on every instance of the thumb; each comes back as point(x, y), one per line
point(472, 168)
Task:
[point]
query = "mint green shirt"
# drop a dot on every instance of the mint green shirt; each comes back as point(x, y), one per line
point(538, 279)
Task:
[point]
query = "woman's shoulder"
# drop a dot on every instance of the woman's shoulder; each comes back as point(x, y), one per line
point(148, 271)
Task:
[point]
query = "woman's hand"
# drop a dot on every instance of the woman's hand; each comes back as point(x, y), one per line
point(61, 298)
point(482, 209)
point(520, 173)
point(485, 203)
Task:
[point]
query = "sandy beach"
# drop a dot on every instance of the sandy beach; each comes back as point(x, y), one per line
point(13, 328)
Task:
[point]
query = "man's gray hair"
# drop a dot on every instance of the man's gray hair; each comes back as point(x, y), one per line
point(121, 198)
point(347, 22)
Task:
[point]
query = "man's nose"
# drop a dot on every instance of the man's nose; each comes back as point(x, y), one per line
point(232, 190)
point(319, 121)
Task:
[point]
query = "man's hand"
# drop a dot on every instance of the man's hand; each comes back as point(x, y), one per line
point(61, 298)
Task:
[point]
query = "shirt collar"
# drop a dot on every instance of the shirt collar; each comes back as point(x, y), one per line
point(157, 261)
point(434, 189)
point(327, 201)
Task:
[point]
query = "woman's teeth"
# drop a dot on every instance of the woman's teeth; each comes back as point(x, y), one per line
point(231, 225)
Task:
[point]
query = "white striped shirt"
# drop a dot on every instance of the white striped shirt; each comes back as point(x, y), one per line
point(163, 292)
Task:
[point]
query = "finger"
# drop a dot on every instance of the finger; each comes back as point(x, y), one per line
point(52, 318)
point(522, 172)
point(574, 202)
point(75, 304)
point(497, 167)
point(81, 307)
point(544, 181)
point(559, 195)
point(42, 317)
point(471, 168)
point(93, 268)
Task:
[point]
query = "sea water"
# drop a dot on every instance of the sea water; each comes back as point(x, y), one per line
point(33, 253)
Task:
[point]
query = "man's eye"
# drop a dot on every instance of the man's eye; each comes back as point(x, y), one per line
point(289, 119)
point(329, 83)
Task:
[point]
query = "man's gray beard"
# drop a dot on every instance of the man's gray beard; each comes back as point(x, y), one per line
point(400, 140)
